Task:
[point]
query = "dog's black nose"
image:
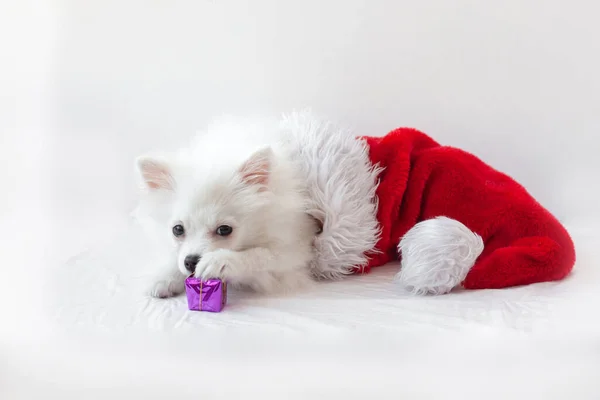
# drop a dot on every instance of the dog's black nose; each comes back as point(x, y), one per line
point(190, 262)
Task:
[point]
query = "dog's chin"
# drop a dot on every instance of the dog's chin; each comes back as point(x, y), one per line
point(184, 272)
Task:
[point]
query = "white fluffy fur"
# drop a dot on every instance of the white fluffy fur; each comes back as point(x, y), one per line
point(341, 184)
point(271, 245)
point(436, 255)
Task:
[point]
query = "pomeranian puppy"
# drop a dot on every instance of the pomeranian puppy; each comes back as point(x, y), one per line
point(235, 206)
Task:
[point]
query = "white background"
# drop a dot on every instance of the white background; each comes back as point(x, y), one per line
point(86, 85)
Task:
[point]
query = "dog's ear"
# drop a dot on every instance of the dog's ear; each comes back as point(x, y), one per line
point(155, 173)
point(257, 169)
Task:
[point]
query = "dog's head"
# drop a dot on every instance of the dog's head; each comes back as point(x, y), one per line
point(216, 205)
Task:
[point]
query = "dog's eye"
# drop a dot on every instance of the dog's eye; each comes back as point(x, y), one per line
point(224, 230)
point(178, 230)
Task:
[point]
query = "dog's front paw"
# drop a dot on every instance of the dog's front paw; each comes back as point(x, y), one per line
point(214, 264)
point(163, 289)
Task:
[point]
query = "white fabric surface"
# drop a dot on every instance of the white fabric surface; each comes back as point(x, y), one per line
point(102, 335)
point(103, 289)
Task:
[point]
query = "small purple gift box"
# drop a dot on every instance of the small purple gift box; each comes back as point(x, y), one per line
point(209, 295)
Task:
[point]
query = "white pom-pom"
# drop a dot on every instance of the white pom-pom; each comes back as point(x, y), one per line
point(436, 255)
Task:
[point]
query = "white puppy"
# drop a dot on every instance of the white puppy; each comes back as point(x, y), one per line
point(235, 207)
